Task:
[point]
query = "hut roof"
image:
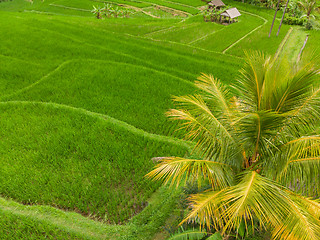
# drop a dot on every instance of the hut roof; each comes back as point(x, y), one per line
point(216, 3)
point(232, 13)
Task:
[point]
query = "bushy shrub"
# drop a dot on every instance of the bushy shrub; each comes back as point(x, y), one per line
point(110, 11)
point(294, 20)
point(309, 25)
point(293, 9)
point(213, 15)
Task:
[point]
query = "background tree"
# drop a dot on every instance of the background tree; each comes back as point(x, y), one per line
point(284, 12)
point(308, 7)
point(274, 18)
point(259, 152)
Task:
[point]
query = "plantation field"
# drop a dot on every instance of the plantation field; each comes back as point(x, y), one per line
point(83, 104)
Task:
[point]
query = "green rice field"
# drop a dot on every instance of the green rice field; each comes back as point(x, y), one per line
point(83, 103)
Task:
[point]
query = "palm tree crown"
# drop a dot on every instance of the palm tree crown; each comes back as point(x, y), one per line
point(259, 151)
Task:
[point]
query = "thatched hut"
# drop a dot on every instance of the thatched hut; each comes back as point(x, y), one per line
point(231, 14)
point(217, 4)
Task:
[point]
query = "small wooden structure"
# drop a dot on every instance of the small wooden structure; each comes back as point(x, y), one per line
point(217, 4)
point(231, 14)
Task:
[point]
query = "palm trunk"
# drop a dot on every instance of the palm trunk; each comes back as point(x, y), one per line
point(274, 18)
point(284, 11)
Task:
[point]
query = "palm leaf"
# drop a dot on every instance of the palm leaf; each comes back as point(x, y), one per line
point(215, 93)
point(302, 221)
point(215, 236)
point(212, 132)
point(226, 208)
point(290, 216)
point(301, 167)
point(177, 170)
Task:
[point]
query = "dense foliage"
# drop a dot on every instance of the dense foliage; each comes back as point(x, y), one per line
point(258, 152)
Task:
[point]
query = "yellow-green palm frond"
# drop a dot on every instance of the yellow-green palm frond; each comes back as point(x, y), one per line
point(275, 85)
point(256, 130)
point(305, 115)
point(253, 195)
point(179, 170)
point(301, 165)
point(309, 204)
point(202, 115)
point(212, 132)
point(302, 220)
point(216, 94)
point(251, 83)
point(288, 215)
point(206, 209)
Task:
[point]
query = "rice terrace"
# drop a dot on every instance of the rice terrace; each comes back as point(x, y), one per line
point(93, 124)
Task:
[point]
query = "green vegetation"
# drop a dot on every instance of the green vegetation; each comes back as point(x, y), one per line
point(44, 222)
point(75, 160)
point(83, 104)
point(258, 151)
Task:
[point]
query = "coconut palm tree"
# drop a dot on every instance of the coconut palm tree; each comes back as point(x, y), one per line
point(259, 152)
point(308, 6)
point(274, 18)
point(284, 12)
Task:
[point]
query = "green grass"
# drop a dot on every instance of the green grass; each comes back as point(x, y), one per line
point(159, 13)
point(312, 47)
point(296, 38)
point(21, 227)
point(77, 4)
point(173, 5)
point(260, 40)
point(111, 88)
point(133, 3)
point(76, 161)
point(229, 34)
point(188, 33)
point(45, 222)
point(13, 78)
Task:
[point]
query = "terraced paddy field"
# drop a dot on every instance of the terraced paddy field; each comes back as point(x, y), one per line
point(83, 105)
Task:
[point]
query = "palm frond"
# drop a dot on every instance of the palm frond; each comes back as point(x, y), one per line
point(274, 85)
point(301, 168)
point(256, 130)
point(289, 215)
point(206, 209)
point(254, 194)
point(216, 93)
point(215, 236)
point(178, 170)
point(302, 221)
point(310, 205)
point(212, 132)
point(298, 88)
point(251, 83)
point(197, 106)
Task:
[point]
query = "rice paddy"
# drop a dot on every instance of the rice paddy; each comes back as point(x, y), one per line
point(83, 104)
